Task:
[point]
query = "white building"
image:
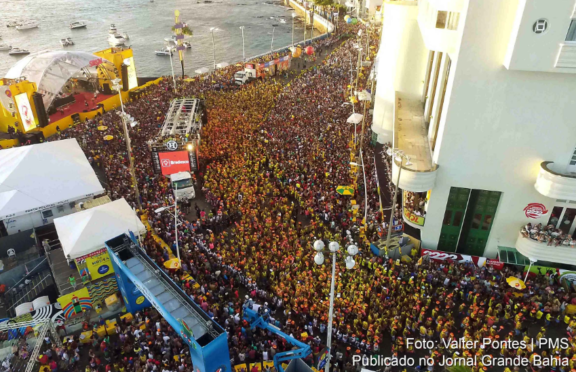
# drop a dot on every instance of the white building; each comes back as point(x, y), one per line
point(41, 182)
point(479, 94)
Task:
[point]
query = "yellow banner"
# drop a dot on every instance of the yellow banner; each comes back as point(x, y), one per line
point(97, 264)
point(75, 302)
point(417, 220)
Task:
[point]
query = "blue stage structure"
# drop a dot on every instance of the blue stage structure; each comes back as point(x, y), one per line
point(261, 321)
point(143, 284)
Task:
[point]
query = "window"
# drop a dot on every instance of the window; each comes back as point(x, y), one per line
point(457, 219)
point(571, 35)
point(60, 208)
point(447, 20)
point(47, 213)
point(447, 217)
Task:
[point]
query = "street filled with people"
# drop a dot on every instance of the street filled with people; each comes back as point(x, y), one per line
point(272, 154)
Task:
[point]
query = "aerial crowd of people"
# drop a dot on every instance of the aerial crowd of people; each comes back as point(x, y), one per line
point(272, 154)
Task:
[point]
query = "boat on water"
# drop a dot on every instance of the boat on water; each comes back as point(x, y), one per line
point(27, 26)
point(77, 24)
point(282, 20)
point(164, 52)
point(13, 24)
point(187, 45)
point(115, 38)
point(18, 51)
point(4, 47)
point(66, 42)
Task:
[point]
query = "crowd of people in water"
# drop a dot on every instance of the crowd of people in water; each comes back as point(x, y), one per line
point(272, 154)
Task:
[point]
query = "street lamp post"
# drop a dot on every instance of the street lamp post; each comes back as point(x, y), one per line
point(272, 43)
point(334, 248)
point(175, 206)
point(124, 116)
point(293, 17)
point(172, 67)
point(395, 154)
point(243, 52)
point(212, 29)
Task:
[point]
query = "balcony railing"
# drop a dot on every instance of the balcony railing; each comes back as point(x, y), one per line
point(554, 184)
point(566, 55)
point(547, 251)
point(410, 136)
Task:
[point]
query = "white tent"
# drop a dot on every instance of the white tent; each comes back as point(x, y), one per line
point(85, 232)
point(355, 118)
point(222, 64)
point(37, 177)
point(202, 70)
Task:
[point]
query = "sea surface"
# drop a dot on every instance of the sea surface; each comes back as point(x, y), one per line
point(147, 24)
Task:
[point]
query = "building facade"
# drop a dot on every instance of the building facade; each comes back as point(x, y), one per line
point(480, 96)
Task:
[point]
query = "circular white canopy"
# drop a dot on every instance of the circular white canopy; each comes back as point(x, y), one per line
point(50, 70)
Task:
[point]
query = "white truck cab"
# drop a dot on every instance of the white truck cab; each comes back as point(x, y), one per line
point(183, 185)
point(244, 76)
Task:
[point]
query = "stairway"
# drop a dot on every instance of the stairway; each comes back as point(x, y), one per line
point(61, 271)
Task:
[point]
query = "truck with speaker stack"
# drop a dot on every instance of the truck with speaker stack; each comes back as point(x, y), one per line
point(175, 149)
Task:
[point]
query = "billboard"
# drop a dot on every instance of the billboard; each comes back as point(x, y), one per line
point(174, 162)
point(96, 263)
point(132, 77)
point(25, 110)
point(457, 257)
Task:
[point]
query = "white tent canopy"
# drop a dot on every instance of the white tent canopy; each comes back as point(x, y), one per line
point(37, 177)
point(85, 232)
point(51, 70)
point(202, 70)
point(355, 118)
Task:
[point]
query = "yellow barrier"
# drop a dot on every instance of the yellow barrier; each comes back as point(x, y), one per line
point(156, 238)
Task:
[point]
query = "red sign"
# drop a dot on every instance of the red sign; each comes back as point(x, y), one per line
point(250, 66)
point(535, 210)
point(457, 257)
point(174, 162)
point(96, 62)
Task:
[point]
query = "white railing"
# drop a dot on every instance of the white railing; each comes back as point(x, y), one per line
point(566, 55)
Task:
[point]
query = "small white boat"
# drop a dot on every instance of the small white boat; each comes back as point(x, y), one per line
point(66, 42)
point(115, 38)
point(13, 24)
point(187, 45)
point(5, 47)
point(164, 52)
point(27, 26)
point(18, 51)
point(77, 24)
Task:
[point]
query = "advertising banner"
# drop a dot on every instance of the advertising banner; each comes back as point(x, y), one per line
point(132, 77)
point(174, 162)
point(417, 220)
point(96, 263)
point(76, 302)
point(25, 110)
point(457, 257)
point(6, 99)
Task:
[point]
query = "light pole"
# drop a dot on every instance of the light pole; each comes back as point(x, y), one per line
point(365, 186)
point(395, 153)
point(172, 67)
point(133, 123)
point(243, 52)
point(334, 248)
point(175, 206)
point(272, 43)
point(293, 17)
point(212, 29)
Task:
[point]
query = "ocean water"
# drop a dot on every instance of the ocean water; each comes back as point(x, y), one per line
point(147, 24)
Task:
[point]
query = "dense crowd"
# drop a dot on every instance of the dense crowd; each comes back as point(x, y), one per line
point(272, 155)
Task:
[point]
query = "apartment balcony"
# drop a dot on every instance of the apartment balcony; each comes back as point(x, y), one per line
point(439, 25)
point(566, 55)
point(542, 251)
point(554, 184)
point(411, 136)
